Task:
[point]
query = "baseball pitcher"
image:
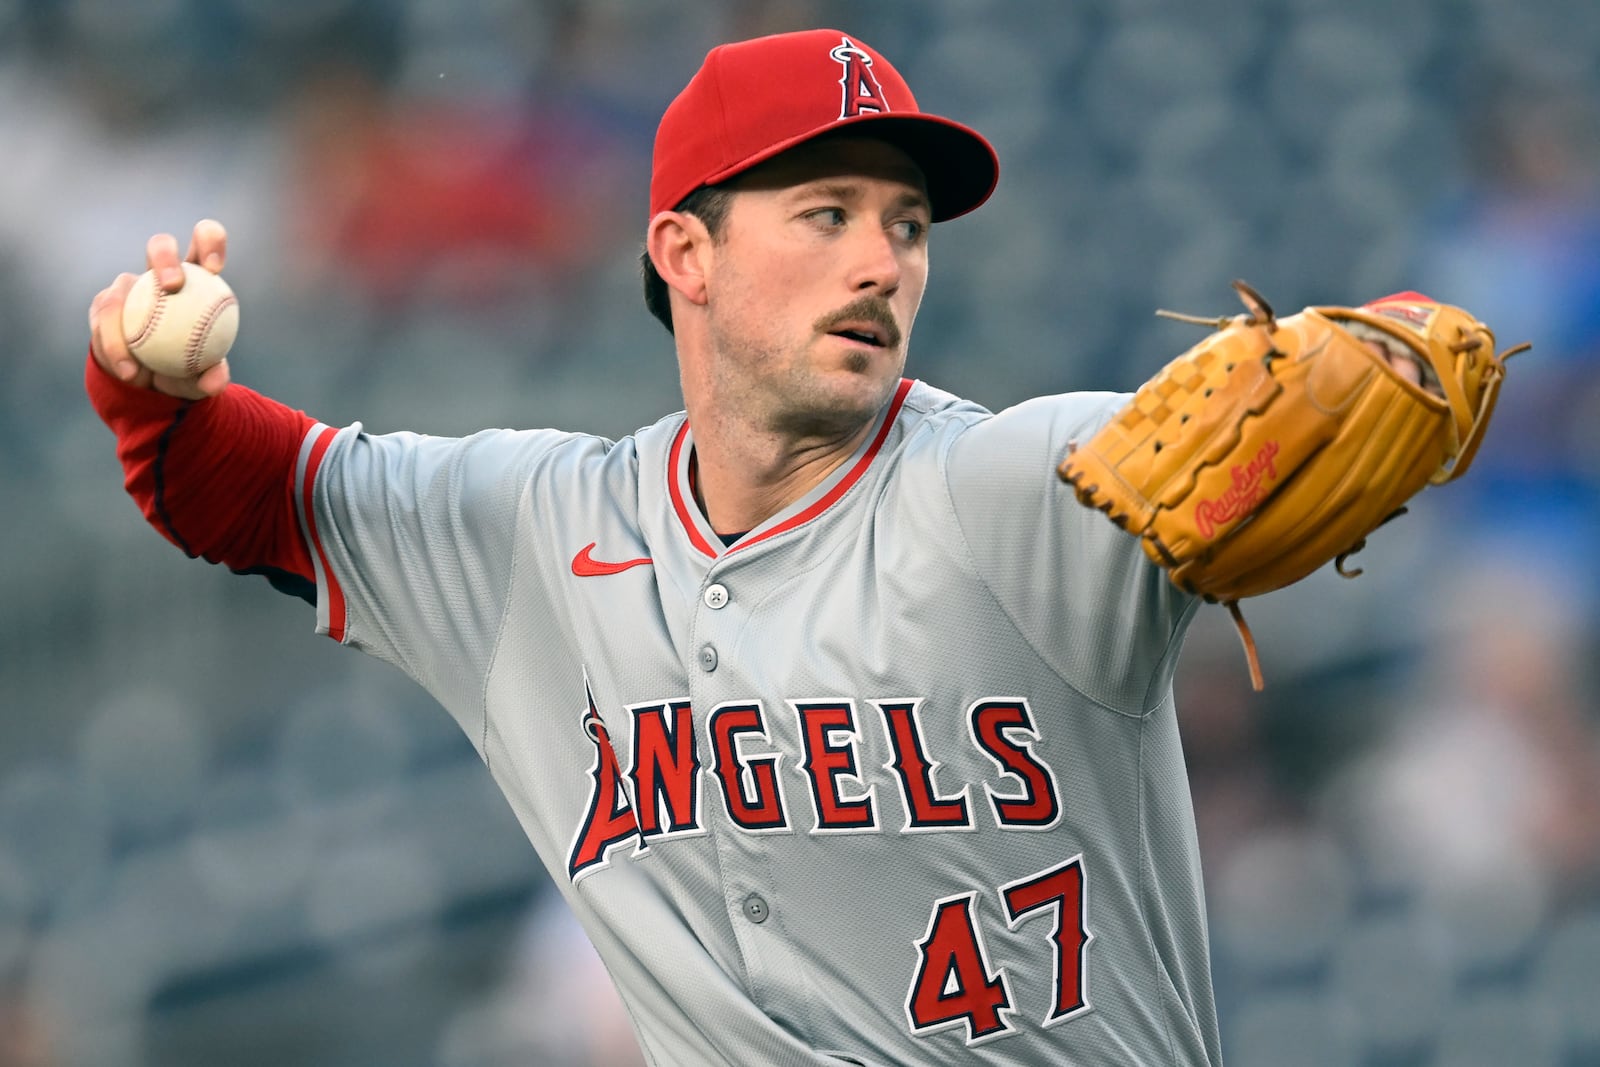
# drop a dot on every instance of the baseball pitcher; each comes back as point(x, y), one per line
point(846, 731)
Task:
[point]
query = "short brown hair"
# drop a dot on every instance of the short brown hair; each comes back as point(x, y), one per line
point(709, 204)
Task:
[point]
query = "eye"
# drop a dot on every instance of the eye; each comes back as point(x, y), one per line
point(910, 230)
point(826, 217)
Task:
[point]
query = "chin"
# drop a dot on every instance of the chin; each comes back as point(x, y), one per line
point(840, 402)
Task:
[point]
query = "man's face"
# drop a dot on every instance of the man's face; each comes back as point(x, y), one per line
point(816, 281)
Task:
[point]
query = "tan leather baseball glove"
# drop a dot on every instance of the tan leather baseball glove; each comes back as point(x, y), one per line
point(1275, 445)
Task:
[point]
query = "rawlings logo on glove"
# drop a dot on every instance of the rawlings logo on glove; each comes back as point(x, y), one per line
point(1252, 483)
point(1276, 445)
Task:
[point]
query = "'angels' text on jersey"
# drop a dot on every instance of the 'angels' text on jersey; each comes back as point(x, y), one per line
point(660, 794)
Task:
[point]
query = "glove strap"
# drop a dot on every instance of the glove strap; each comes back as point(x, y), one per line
point(1468, 447)
point(1249, 642)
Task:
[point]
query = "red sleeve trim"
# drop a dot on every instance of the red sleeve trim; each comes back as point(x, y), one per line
point(337, 617)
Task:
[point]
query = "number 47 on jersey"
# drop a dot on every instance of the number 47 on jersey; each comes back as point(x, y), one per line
point(955, 984)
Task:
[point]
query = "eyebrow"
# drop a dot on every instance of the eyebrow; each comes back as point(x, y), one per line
point(835, 190)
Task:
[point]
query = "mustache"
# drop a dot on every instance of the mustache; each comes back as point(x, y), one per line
point(873, 309)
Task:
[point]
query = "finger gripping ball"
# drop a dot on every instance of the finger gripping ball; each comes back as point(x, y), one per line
point(181, 334)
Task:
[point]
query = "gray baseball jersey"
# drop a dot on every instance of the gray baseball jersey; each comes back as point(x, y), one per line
point(894, 779)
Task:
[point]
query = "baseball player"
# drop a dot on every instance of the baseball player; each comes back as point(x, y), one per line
point(846, 733)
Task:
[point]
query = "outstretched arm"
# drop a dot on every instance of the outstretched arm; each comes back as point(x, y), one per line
point(211, 465)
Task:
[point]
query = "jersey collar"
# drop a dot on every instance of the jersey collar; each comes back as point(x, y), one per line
point(698, 529)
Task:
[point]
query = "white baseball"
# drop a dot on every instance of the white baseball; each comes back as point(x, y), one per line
point(181, 334)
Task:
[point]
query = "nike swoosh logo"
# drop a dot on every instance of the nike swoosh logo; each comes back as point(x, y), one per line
point(586, 566)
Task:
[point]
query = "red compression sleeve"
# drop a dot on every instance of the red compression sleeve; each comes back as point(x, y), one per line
point(214, 476)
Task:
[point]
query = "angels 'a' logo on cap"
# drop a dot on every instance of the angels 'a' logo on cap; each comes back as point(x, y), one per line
point(861, 89)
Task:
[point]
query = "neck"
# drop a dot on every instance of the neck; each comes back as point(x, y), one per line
point(745, 475)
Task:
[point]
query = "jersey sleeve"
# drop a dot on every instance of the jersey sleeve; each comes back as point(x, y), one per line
point(414, 543)
point(1081, 590)
point(214, 476)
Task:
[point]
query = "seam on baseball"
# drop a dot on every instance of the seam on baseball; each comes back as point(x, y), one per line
point(151, 320)
point(202, 332)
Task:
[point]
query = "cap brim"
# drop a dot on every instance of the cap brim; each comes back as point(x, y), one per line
point(958, 164)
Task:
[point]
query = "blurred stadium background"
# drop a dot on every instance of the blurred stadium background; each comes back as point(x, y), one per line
point(223, 840)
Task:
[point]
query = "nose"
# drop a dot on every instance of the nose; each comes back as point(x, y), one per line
point(875, 262)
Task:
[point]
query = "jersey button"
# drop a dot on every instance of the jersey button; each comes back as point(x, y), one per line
point(716, 596)
point(708, 658)
point(755, 908)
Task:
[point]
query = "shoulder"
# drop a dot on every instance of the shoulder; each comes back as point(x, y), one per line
point(927, 403)
point(965, 432)
point(1046, 421)
point(499, 462)
point(656, 439)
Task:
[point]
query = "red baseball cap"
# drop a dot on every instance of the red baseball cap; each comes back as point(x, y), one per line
point(753, 99)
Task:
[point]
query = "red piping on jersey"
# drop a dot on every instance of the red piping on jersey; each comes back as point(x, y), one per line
point(823, 504)
point(676, 492)
point(337, 618)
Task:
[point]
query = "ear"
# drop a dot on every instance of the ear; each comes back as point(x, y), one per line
point(677, 243)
